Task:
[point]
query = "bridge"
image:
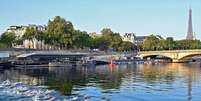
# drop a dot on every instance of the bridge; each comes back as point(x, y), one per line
point(51, 55)
point(75, 56)
point(45, 57)
point(175, 55)
point(30, 56)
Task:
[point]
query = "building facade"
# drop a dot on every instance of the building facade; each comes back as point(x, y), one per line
point(33, 44)
point(94, 34)
point(131, 37)
point(20, 31)
point(139, 40)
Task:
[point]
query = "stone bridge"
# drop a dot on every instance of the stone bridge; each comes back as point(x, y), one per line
point(175, 55)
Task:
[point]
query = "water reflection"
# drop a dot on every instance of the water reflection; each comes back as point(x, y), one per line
point(176, 81)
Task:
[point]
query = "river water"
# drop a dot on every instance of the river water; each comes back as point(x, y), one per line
point(144, 82)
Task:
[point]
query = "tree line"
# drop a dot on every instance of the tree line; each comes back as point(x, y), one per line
point(155, 42)
point(61, 33)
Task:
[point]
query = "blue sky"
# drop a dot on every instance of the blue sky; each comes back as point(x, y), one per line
point(164, 17)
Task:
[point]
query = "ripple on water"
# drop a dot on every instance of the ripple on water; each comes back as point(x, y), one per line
point(17, 91)
point(22, 92)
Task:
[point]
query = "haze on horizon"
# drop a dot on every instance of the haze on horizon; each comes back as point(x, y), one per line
point(143, 17)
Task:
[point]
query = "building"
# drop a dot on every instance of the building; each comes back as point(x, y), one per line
point(139, 40)
point(33, 44)
point(41, 28)
point(20, 31)
point(94, 34)
point(129, 37)
point(190, 35)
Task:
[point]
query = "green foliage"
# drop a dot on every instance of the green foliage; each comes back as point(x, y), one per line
point(106, 31)
point(111, 40)
point(188, 44)
point(60, 32)
point(114, 40)
point(7, 39)
point(81, 39)
point(18, 41)
point(2, 45)
point(152, 43)
point(127, 46)
point(29, 34)
point(100, 43)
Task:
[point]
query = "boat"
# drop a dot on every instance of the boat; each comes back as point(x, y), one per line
point(5, 65)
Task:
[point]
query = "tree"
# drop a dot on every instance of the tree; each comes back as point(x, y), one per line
point(100, 43)
point(195, 44)
point(114, 39)
point(163, 45)
point(106, 31)
point(170, 43)
point(81, 39)
point(158, 43)
point(188, 44)
point(2, 45)
point(151, 43)
point(19, 41)
point(29, 34)
point(8, 39)
point(127, 46)
point(60, 32)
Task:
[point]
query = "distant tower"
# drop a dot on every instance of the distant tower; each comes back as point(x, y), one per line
point(190, 35)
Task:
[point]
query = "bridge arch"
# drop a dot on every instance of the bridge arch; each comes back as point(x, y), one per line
point(188, 57)
point(157, 55)
point(175, 55)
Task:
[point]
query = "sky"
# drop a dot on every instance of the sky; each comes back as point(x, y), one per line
point(143, 17)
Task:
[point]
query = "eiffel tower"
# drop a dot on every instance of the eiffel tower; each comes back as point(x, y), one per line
point(190, 35)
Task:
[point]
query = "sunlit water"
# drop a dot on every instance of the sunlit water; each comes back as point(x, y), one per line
point(160, 82)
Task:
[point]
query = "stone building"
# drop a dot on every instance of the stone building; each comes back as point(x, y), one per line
point(131, 37)
point(20, 31)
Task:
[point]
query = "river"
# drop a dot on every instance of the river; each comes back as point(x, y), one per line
point(143, 82)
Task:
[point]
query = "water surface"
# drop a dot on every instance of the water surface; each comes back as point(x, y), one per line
point(146, 82)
